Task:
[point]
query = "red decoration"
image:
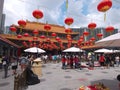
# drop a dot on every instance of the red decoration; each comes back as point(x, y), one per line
point(35, 38)
point(99, 35)
point(57, 38)
point(53, 34)
point(81, 37)
point(35, 32)
point(109, 29)
point(92, 26)
point(68, 30)
point(37, 14)
point(68, 36)
point(85, 33)
point(47, 27)
point(104, 5)
point(69, 21)
point(22, 23)
point(48, 39)
point(34, 44)
point(93, 39)
point(13, 29)
point(19, 36)
point(30, 41)
point(42, 37)
point(25, 44)
point(26, 34)
point(80, 40)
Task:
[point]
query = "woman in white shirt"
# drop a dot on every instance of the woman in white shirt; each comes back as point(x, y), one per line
point(117, 60)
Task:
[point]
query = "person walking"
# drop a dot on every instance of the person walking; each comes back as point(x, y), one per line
point(117, 60)
point(5, 64)
point(0, 62)
point(102, 60)
point(107, 62)
point(63, 62)
point(14, 65)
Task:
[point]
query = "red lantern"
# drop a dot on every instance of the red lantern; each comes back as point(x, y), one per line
point(109, 29)
point(81, 37)
point(68, 30)
point(92, 26)
point(19, 36)
point(42, 37)
point(26, 34)
point(99, 35)
point(37, 14)
point(53, 34)
point(35, 32)
point(57, 38)
point(48, 39)
point(25, 44)
point(22, 23)
point(80, 40)
point(47, 27)
point(34, 44)
point(68, 36)
point(104, 5)
point(35, 38)
point(93, 39)
point(30, 41)
point(69, 21)
point(85, 33)
point(13, 29)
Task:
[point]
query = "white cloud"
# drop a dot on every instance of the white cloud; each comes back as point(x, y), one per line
point(22, 9)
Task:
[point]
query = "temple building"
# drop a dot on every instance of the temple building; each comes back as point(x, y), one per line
point(46, 36)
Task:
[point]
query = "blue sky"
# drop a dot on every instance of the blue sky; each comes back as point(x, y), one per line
point(83, 12)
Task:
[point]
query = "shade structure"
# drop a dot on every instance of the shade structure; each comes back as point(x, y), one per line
point(73, 49)
point(110, 41)
point(35, 50)
point(103, 51)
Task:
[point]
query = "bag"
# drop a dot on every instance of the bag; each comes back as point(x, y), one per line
point(4, 62)
point(31, 77)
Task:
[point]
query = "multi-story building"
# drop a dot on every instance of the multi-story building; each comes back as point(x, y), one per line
point(93, 33)
point(1, 15)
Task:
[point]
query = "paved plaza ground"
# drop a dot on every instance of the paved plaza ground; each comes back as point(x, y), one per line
point(55, 78)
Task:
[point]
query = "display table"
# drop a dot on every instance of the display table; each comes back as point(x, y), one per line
point(37, 67)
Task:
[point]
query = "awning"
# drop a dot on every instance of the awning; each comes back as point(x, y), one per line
point(9, 42)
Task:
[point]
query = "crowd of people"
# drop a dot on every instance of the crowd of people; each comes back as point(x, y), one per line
point(67, 60)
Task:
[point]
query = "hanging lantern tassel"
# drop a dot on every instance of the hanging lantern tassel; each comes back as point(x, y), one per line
point(47, 32)
point(20, 30)
point(104, 16)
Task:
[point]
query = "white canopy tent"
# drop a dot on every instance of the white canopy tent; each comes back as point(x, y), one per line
point(106, 51)
point(103, 51)
point(110, 41)
point(73, 49)
point(35, 50)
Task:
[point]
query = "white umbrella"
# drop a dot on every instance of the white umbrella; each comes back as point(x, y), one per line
point(35, 50)
point(73, 49)
point(103, 51)
point(110, 41)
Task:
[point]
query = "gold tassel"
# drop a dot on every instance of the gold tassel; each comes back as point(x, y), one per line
point(104, 16)
point(66, 4)
point(20, 30)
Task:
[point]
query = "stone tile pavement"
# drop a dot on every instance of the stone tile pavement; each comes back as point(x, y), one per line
point(55, 78)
